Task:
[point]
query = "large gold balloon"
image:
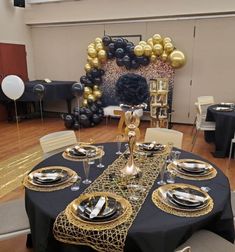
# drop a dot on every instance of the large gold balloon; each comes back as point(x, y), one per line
point(157, 49)
point(98, 40)
point(168, 47)
point(91, 97)
point(95, 62)
point(147, 50)
point(142, 43)
point(153, 58)
point(97, 94)
point(150, 42)
point(99, 47)
point(157, 39)
point(92, 52)
point(87, 91)
point(96, 87)
point(102, 55)
point(84, 102)
point(87, 67)
point(138, 50)
point(177, 59)
point(166, 40)
point(164, 56)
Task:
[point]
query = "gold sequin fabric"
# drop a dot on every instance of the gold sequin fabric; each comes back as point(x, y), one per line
point(27, 182)
point(111, 237)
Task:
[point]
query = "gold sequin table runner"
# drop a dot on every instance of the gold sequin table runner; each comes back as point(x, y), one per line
point(105, 238)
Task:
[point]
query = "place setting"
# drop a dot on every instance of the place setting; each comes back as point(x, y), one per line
point(182, 200)
point(192, 169)
point(50, 178)
point(224, 107)
point(150, 148)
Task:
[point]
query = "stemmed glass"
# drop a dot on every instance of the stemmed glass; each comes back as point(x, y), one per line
point(76, 185)
point(86, 167)
point(174, 156)
point(101, 148)
point(119, 139)
point(162, 172)
point(91, 141)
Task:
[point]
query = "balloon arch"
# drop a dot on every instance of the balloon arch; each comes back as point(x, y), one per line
point(107, 60)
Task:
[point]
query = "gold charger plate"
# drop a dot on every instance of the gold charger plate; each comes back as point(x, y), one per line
point(99, 153)
point(71, 212)
point(70, 173)
point(210, 174)
point(160, 200)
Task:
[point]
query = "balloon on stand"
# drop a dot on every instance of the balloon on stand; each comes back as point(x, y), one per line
point(77, 89)
point(68, 121)
point(13, 87)
point(76, 125)
point(39, 91)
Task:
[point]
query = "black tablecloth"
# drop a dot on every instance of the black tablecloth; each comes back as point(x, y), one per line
point(224, 130)
point(152, 230)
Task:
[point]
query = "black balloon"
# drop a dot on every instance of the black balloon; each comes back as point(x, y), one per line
point(134, 64)
point(120, 43)
point(88, 112)
point(77, 89)
point(129, 43)
point(97, 80)
point(126, 61)
point(84, 120)
point(101, 72)
point(95, 73)
point(111, 48)
point(39, 90)
point(101, 111)
point(106, 40)
point(110, 55)
point(96, 118)
point(82, 110)
point(90, 102)
point(99, 104)
point(145, 61)
point(83, 79)
point(89, 77)
point(119, 62)
point(119, 53)
point(76, 125)
point(93, 108)
point(68, 121)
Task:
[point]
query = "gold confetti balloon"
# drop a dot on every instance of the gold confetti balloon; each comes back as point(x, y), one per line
point(138, 50)
point(177, 59)
point(157, 39)
point(157, 49)
point(147, 50)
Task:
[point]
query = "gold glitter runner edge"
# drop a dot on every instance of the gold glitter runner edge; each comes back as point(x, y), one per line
point(112, 238)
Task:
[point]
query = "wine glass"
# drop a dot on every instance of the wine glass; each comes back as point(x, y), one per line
point(101, 148)
point(91, 141)
point(86, 167)
point(119, 139)
point(162, 172)
point(76, 185)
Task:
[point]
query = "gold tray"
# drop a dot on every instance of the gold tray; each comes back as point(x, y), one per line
point(162, 191)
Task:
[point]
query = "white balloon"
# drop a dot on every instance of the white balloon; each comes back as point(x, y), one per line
point(13, 87)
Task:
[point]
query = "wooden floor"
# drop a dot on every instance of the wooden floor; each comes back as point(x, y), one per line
point(14, 141)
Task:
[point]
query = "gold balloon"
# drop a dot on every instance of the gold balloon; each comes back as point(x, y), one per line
point(91, 97)
point(84, 102)
point(157, 49)
point(92, 52)
point(164, 56)
point(87, 91)
point(153, 58)
point(102, 55)
point(95, 62)
point(150, 42)
point(168, 47)
point(166, 40)
point(95, 88)
point(92, 45)
point(99, 47)
point(147, 50)
point(138, 50)
point(87, 67)
point(157, 39)
point(97, 94)
point(98, 40)
point(89, 59)
point(142, 43)
point(177, 59)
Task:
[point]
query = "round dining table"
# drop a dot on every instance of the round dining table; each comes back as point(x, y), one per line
point(224, 129)
point(152, 229)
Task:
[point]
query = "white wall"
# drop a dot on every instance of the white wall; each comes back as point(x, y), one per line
point(13, 30)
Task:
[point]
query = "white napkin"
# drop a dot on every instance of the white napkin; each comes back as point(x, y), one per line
point(45, 176)
point(97, 207)
point(192, 165)
point(189, 196)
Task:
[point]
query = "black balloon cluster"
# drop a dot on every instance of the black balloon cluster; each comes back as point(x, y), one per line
point(132, 89)
point(84, 116)
point(94, 77)
point(123, 51)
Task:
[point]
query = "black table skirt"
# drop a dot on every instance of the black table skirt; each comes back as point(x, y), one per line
point(224, 130)
point(152, 230)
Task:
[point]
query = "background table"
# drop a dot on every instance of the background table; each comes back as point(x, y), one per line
point(152, 230)
point(224, 130)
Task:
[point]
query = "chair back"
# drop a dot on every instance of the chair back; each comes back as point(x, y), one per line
point(206, 100)
point(55, 141)
point(164, 136)
point(186, 249)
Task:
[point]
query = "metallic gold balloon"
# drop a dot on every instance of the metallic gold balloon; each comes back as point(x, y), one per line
point(87, 91)
point(98, 40)
point(95, 62)
point(150, 42)
point(84, 102)
point(177, 59)
point(92, 45)
point(99, 47)
point(168, 47)
point(89, 59)
point(142, 43)
point(138, 50)
point(91, 97)
point(87, 67)
point(153, 58)
point(157, 39)
point(166, 40)
point(164, 56)
point(97, 94)
point(102, 55)
point(96, 87)
point(147, 50)
point(157, 49)
point(92, 52)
